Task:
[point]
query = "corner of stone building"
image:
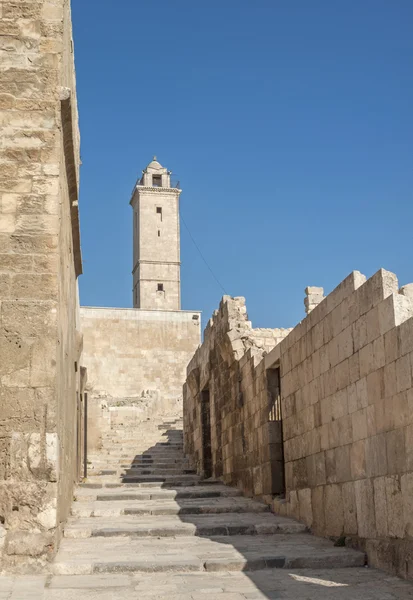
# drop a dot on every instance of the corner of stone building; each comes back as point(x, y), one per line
point(39, 251)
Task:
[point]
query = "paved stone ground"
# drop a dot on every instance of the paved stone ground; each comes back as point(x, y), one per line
point(147, 528)
point(295, 584)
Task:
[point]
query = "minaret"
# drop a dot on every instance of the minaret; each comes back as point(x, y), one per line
point(156, 241)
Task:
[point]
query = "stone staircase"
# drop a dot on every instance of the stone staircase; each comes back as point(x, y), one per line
point(144, 510)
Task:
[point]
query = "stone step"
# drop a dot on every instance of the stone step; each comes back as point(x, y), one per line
point(181, 506)
point(165, 479)
point(170, 526)
point(157, 471)
point(100, 483)
point(92, 492)
point(192, 553)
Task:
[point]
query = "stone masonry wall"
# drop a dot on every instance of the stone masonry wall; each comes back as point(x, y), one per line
point(347, 414)
point(228, 366)
point(347, 403)
point(40, 260)
point(136, 361)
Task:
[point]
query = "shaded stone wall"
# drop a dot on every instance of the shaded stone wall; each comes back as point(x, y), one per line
point(228, 366)
point(39, 264)
point(347, 414)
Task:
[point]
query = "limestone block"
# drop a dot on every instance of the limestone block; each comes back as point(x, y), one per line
point(349, 508)
point(383, 415)
point(358, 459)
point(407, 290)
point(395, 514)
point(324, 437)
point(352, 398)
point(359, 424)
point(330, 466)
point(35, 286)
point(342, 375)
point(409, 446)
point(366, 522)
point(390, 380)
point(345, 289)
point(380, 286)
point(354, 367)
point(317, 503)
point(376, 456)
point(359, 329)
point(328, 328)
point(334, 517)
point(316, 469)
point(371, 420)
point(366, 360)
point(403, 373)
point(406, 482)
point(402, 416)
point(393, 311)
point(43, 363)
point(342, 460)
point(324, 359)
point(24, 543)
point(7, 223)
point(379, 357)
point(339, 405)
point(392, 341)
point(396, 454)
point(305, 506)
point(380, 506)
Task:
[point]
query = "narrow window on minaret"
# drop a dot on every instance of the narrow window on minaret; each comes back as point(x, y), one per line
point(160, 287)
point(159, 212)
point(159, 233)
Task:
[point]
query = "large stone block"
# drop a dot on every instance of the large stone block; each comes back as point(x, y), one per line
point(342, 460)
point(318, 506)
point(334, 518)
point(406, 482)
point(376, 456)
point(395, 514)
point(349, 508)
point(396, 455)
point(305, 506)
point(366, 522)
point(380, 506)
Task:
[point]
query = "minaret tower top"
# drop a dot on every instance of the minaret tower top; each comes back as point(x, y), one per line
point(156, 240)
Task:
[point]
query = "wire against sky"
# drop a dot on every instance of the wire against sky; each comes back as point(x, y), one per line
point(202, 256)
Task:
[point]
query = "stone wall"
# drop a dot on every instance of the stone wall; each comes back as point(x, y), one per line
point(137, 359)
point(347, 416)
point(40, 260)
point(228, 370)
point(347, 402)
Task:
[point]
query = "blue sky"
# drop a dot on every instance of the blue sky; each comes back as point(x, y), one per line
point(289, 124)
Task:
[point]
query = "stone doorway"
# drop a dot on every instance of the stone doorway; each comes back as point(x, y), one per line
point(206, 434)
point(275, 432)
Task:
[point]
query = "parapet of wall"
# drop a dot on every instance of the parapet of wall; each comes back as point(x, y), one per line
point(226, 367)
point(132, 355)
point(39, 263)
point(347, 405)
point(344, 378)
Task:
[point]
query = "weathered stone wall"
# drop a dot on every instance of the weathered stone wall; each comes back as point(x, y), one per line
point(347, 415)
point(347, 402)
point(228, 366)
point(39, 263)
point(136, 358)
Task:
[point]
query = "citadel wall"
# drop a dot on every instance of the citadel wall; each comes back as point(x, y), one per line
point(136, 361)
point(345, 389)
point(40, 260)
